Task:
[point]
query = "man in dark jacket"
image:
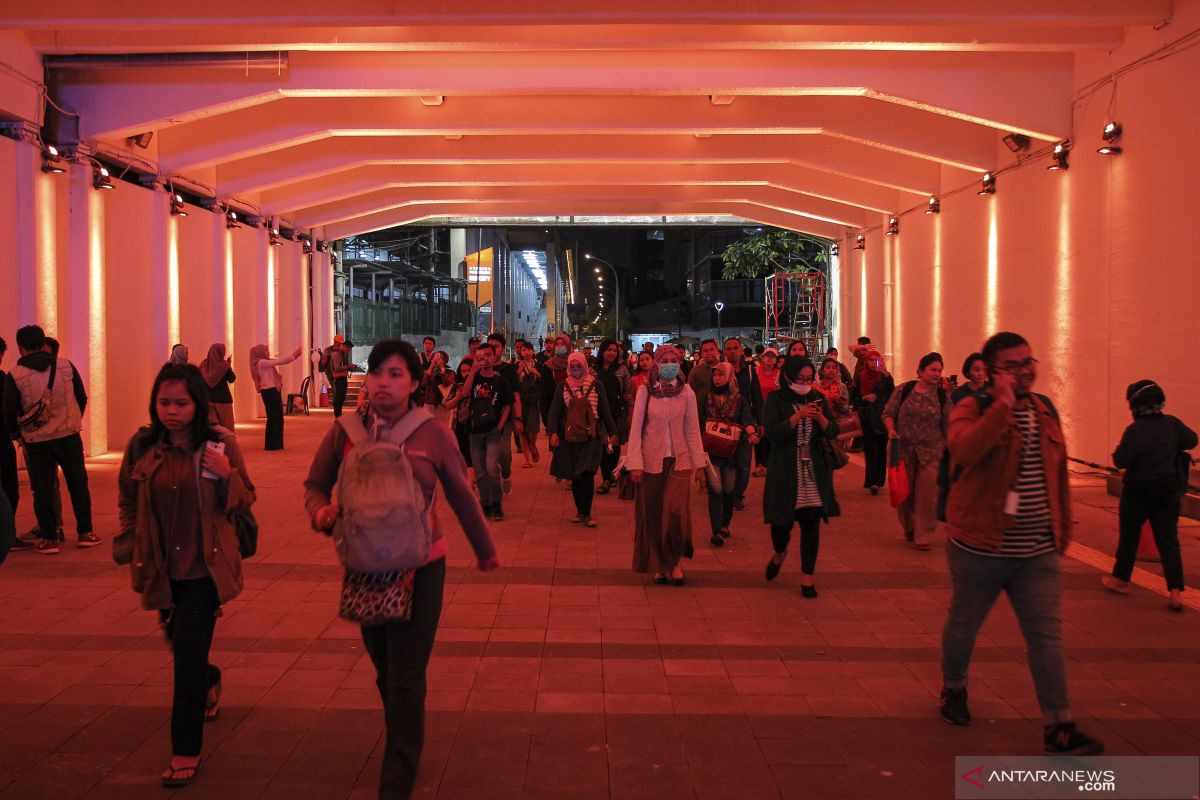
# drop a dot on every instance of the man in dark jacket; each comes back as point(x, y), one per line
point(52, 439)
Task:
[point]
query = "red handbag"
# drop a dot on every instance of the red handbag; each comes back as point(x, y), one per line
point(721, 438)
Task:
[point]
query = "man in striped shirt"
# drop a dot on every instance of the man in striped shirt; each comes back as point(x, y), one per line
point(1009, 520)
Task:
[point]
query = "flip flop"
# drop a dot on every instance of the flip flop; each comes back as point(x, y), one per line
point(173, 780)
point(213, 710)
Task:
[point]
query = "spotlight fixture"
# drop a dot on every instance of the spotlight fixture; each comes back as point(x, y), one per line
point(934, 207)
point(1017, 142)
point(231, 220)
point(142, 140)
point(988, 184)
point(860, 242)
point(1059, 156)
point(893, 227)
point(308, 248)
point(323, 246)
point(52, 161)
point(274, 237)
point(1112, 136)
point(834, 249)
point(178, 209)
point(101, 179)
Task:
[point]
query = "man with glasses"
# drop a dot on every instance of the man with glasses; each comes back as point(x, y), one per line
point(1009, 521)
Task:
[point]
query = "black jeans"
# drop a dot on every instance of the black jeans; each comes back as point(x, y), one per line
point(1141, 503)
point(189, 628)
point(810, 537)
point(9, 478)
point(400, 652)
point(720, 493)
point(875, 452)
point(608, 463)
point(273, 402)
point(583, 490)
point(762, 451)
point(339, 394)
point(44, 459)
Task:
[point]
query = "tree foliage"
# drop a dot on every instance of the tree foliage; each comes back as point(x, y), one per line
point(774, 250)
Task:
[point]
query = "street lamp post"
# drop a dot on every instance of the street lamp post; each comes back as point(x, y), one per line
point(719, 306)
point(616, 291)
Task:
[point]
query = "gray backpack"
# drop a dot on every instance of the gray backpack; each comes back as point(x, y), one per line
point(383, 524)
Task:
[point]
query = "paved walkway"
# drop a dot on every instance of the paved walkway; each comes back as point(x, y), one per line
point(564, 675)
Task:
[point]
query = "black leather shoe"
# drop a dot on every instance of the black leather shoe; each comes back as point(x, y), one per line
point(716, 541)
point(773, 570)
point(808, 591)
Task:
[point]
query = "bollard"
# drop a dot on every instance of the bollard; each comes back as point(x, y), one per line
point(1147, 550)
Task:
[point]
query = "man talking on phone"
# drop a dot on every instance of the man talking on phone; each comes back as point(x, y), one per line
point(1009, 521)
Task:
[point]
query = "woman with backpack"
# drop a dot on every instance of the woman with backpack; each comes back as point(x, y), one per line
point(397, 607)
point(799, 484)
point(873, 387)
point(618, 389)
point(1157, 467)
point(665, 456)
point(916, 418)
point(581, 428)
point(181, 483)
point(724, 421)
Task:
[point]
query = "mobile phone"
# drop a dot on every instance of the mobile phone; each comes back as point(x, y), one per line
point(218, 447)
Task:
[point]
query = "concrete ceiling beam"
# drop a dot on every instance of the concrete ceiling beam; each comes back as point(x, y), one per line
point(382, 200)
point(286, 123)
point(788, 177)
point(332, 155)
point(1015, 92)
point(136, 14)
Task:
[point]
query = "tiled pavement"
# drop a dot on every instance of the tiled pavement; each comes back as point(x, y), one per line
point(566, 675)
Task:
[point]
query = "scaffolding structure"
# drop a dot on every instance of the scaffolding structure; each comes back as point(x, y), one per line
point(797, 310)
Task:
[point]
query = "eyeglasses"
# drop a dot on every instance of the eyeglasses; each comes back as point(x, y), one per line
point(1019, 366)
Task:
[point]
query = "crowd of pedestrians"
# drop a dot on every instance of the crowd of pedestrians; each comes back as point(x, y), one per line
point(987, 458)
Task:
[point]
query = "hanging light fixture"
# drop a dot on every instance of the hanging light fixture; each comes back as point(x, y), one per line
point(52, 161)
point(934, 207)
point(893, 228)
point(178, 209)
point(274, 237)
point(231, 220)
point(834, 249)
point(101, 179)
point(1112, 137)
point(988, 184)
point(860, 242)
point(1059, 156)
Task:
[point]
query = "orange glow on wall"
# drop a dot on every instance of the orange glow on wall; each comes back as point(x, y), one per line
point(862, 293)
point(173, 279)
point(47, 268)
point(1063, 314)
point(993, 272)
point(229, 348)
point(97, 337)
point(272, 293)
point(898, 353)
point(935, 314)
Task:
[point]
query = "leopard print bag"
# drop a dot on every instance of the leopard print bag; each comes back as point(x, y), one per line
point(376, 598)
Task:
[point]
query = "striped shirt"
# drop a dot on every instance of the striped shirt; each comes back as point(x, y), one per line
point(807, 494)
point(1033, 533)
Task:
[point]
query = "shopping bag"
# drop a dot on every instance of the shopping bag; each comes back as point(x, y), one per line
point(897, 477)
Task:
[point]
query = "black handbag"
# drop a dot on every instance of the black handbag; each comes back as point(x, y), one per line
point(835, 457)
point(247, 532)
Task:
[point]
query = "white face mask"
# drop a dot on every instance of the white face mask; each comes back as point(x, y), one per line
point(800, 387)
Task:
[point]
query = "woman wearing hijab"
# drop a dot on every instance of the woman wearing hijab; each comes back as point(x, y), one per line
point(768, 381)
point(179, 355)
point(799, 485)
point(577, 461)
point(269, 383)
point(872, 389)
point(554, 372)
point(725, 404)
point(1153, 454)
point(665, 451)
point(218, 374)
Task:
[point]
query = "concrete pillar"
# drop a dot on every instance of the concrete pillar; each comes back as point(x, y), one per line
point(164, 278)
point(85, 334)
point(34, 243)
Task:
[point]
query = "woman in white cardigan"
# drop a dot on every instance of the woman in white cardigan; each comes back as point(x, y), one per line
point(665, 452)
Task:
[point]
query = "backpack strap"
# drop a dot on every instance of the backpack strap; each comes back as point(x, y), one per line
point(906, 389)
point(353, 426)
point(415, 418)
